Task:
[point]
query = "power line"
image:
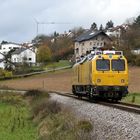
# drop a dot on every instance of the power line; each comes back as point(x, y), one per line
point(46, 23)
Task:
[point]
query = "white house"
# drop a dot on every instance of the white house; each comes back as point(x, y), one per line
point(24, 55)
point(2, 64)
point(117, 31)
point(6, 47)
point(136, 51)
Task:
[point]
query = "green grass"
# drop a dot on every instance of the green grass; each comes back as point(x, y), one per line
point(14, 119)
point(61, 63)
point(33, 116)
point(132, 98)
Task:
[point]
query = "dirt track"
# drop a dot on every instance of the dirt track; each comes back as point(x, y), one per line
point(61, 81)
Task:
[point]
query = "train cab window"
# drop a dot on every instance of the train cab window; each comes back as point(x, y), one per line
point(102, 65)
point(118, 65)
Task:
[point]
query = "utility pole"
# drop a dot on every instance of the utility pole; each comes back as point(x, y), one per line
point(37, 24)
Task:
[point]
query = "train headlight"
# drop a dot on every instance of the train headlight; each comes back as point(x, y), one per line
point(122, 81)
point(98, 80)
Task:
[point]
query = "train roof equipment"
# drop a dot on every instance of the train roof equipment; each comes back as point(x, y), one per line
point(99, 53)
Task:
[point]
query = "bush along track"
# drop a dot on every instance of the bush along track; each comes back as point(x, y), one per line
point(34, 116)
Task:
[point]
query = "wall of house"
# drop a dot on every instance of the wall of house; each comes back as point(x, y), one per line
point(2, 65)
point(5, 48)
point(27, 56)
point(136, 52)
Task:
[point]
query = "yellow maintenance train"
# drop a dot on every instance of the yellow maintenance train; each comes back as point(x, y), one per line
point(101, 74)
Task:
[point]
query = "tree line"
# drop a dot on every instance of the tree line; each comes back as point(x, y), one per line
point(56, 47)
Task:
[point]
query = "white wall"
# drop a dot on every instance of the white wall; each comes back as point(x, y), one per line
point(136, 52)
point(2, 65)
point(28, 54)
point(5, 48)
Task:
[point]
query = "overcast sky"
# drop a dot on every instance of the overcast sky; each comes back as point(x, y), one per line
point(18, 24)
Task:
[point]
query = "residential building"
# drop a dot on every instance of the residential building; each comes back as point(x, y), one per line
point(8, 46)
point(117, 31)
point(5, 47)
point(24, 55)
point(136, 51)
point(90, 40)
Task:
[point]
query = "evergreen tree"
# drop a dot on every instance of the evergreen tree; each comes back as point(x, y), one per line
point(101, 27)
point(137, 21)
point(93, 26)
point(109, 24)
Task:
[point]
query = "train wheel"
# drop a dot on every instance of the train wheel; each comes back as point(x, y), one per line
point(79, 97)
point(114, 100)
point(90, 95)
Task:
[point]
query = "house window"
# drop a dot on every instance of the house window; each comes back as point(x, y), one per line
point(97, 44)
point(30, 59)
point(76, 44)
point(90, 43)
point(82, 44)
point(14, 59)
point(102, 38)
point(76, 50)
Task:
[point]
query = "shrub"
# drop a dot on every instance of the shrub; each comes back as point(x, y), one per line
point(8, 74)
point(85, 125)
point(44, 108)
point(36, 93)
point(137, 60)
point(130, 57)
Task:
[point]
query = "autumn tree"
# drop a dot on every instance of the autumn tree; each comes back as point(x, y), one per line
point(62, 48)
point(43, 54)
point(77, 31)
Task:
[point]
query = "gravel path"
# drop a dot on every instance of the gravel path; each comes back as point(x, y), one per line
point(109, 123)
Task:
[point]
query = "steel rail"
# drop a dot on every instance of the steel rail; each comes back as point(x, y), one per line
point(120, 105)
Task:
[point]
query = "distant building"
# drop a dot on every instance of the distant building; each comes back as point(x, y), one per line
point(24, 55)
point(6, 47)
point(116, 31)
point(136, 51)
point(2, 64)
point(89, 41)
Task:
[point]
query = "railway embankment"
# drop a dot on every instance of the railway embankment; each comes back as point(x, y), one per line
point(108, 122)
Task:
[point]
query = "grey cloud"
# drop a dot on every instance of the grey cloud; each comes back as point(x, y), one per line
point(17, 16)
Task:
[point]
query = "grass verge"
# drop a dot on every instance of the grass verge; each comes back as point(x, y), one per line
point(34, 116)
point(132, 98)
point(61, 63)
point(14, 122)
point(56, 122)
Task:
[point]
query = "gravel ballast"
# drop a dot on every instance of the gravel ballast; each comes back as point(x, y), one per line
point(109, 123)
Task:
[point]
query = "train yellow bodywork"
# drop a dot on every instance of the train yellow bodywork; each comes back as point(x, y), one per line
point(86, 76)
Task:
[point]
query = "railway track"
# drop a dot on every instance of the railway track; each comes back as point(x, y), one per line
point(120, 105)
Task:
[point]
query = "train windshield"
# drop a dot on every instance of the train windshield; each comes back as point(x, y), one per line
point(118, 65)
point(102, 65)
